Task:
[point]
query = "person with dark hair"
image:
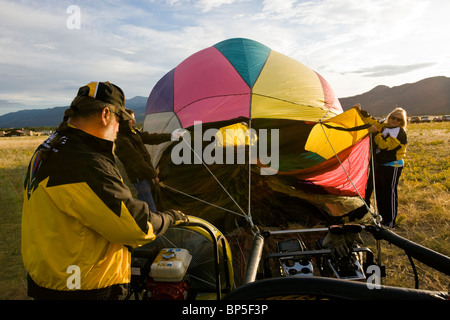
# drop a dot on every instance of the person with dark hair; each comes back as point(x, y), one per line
point(131, 151)
point(79, 219)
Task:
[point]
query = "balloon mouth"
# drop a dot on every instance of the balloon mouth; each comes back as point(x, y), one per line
point(229, 145)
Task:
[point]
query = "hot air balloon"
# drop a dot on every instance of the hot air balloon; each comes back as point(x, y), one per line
point(304, 159)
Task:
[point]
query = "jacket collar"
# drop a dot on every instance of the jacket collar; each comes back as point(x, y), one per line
point(99, 144)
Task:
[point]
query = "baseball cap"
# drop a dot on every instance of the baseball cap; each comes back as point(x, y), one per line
point(101, 92)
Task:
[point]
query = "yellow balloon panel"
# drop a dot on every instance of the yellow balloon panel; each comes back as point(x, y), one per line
point(266, 107)
point(287, 89)
point(237, 134)
point(326, 142)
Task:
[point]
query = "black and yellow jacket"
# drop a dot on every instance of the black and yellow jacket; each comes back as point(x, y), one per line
point(391, 149)
point(78, 212)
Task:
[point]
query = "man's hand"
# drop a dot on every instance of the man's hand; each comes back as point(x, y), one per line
point(341, 239)
point(178, 216)
point(337, 244)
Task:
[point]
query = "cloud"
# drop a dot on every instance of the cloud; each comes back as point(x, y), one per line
point(208, 5)
point(391, 70)
point(351, 43)
point(6, 105)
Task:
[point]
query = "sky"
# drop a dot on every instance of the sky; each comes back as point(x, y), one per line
point(49, 48)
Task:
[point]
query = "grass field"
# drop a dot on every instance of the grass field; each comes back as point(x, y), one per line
point(424, 204)
point(423, 208)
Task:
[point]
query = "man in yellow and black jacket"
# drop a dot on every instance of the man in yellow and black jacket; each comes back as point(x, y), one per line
point(79, 218)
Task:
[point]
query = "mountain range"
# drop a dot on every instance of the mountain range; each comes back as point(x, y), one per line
point(52, 117)
point(429, 96)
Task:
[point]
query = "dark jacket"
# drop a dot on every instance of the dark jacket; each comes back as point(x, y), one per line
point(77, 211)
point(131, 151)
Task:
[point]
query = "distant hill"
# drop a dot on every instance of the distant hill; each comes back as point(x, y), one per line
point(138, 104)
point(52, 117)
point(430, 96)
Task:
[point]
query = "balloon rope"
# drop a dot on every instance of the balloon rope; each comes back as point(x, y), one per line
point(375, 217)
point(201, 200)
point(249, 165)
point(249, 214)
point(217, 180)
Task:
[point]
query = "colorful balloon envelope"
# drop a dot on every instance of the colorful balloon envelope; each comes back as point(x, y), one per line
point(255, 97)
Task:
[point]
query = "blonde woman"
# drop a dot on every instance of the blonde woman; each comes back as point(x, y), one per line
point(390, 141)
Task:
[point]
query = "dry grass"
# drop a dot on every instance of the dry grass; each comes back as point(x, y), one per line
point(424, 204)
point(423, 207)
point(15, 153)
